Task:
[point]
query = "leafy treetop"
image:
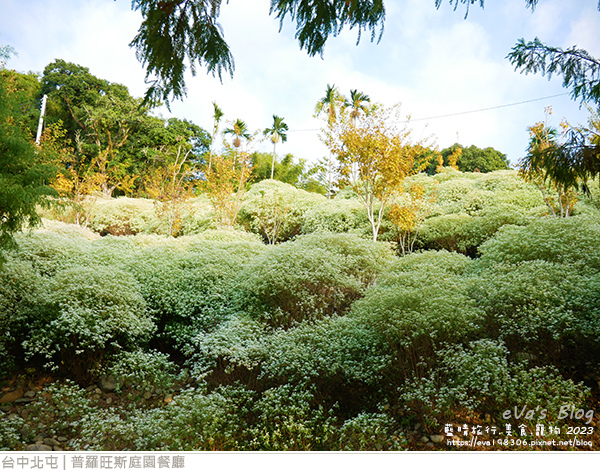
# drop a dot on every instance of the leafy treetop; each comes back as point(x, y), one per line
point(174, 32)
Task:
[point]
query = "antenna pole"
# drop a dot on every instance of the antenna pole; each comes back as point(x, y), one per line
point(41, 121)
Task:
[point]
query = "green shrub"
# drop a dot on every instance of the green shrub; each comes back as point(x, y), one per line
point(464, 233)
point(341, 357)
point(480, 378)
point(332, 353)
point(455, 190)
point(10, 433)
point(311, 277)
point(287, 422)
point(110, 251)
point(275, 210)
point(524, 200)
point(413, 313)
point(50, 252)
point(132, 216)
point(61, 408)
point(198, 216)
point(87, 317)
point(193, 421)
point(371, 432)
point(504, 181)
point(432, 260)
point(141, 370)
point(122, 216)
point(337, 216)
point(187, 283)
point(67, 230)
point(539, 307)
point(448, 173)
point(239, 343)
point(22, 292)
point(448, 232)
point(572, 240)
point(226, 236)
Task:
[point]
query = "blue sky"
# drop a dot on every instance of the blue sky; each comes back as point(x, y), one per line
point(434, 62)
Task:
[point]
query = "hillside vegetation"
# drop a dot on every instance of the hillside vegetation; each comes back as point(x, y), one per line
point(294, 330)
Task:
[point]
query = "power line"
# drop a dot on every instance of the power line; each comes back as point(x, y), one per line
point(488, 109)
point(462, 112)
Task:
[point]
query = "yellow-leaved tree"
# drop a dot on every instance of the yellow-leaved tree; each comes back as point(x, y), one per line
point(407, 213)
point(169, 181)
point(225, 185)
point(560, 195)
point(375, 154)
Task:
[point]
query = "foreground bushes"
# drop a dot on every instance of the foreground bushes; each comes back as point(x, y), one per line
point(229, 418)
point(480, 377)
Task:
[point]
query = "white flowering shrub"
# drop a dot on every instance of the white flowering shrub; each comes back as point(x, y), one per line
point(371, 432)
point(22, 291)
point(314, 276)
point(481, 378)
point(455, 190)
point(540, 308)
point(61, 408)
point(187, 286)
point(67, 230)
point(571, 240)
point(338, 216)
point(413, 313)
point(504, 181)
point(528, 201)
point(447, 232)
point(143, 371)
point(444, 261)
point(227, 236)
point(286, 421)
point(236, 349)
point(193, 420)
point(87, 317)
point(49, 252)
point(448, 173)
point(275, 210)
point(331, 352)
point(10, 433)
point(197, 216)
point(464, 233)
point(132, 216)
point(122, 216)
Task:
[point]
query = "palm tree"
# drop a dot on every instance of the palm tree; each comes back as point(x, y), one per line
point(330, 103)
point(218, 114)
point(239, 130)
point(358, 102)
point(276, 132)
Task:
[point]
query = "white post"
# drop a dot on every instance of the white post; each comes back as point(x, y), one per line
point(41, 121)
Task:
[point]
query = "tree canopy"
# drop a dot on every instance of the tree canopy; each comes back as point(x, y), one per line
point(472, 158)
point(374, 156)
point(568, 163)
point(176, 32)
point(24, 169)
point(580, 71)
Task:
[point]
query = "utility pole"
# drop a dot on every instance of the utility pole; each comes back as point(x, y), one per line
point(41, 121)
